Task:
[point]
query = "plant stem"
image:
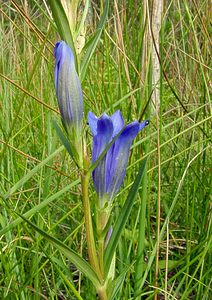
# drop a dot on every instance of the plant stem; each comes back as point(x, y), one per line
point(103, 293)
point(101, 255)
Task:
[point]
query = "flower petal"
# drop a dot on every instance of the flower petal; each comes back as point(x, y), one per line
point(117, 158)
point(143, 124)
point(92, 121)
point(109, 174)
point(100, 142)
point(118, 122)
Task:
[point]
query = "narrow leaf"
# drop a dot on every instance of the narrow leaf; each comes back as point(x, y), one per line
point(118, 282)
point(93, 44)
point(37, 208)
point(65, 274)
point(62, 23)
point(122, 219)
point(31, 173)
point(69, 284)
point(83, 19)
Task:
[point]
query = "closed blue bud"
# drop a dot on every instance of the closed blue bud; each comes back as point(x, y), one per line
point(109, 173)
point(68, 87)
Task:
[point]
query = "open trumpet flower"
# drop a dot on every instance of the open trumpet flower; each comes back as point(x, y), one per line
point(109, 174)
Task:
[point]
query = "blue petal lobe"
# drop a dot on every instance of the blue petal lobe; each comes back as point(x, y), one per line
point(100, 142)
point(117, 158)
point(118, 122)
point(143, 124)
point(92, 121)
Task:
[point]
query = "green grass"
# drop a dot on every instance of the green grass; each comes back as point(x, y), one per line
point(41, 182)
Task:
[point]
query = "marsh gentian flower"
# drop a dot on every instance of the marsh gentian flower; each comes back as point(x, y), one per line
point(68, 88)
point(109, 174)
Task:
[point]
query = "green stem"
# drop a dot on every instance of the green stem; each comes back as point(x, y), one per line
point(103, 293)
point(101, 255)
point(92, 254)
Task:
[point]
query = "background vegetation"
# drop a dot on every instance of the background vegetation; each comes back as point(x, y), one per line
point(39, 180)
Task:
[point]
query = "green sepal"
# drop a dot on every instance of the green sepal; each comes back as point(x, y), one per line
point(63, 139)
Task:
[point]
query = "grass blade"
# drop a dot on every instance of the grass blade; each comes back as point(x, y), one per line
point(63, 139)
point(62, 24)
point(38, 207)
point(32, 173)
point(93, 44)
point(118, 282)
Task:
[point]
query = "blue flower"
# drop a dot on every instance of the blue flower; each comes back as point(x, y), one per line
point(109, 173)
point(68, 88)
